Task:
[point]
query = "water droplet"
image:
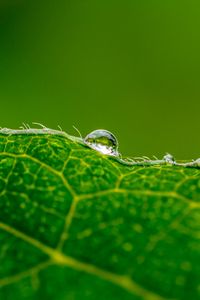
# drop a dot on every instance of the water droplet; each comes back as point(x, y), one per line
point(102, 141)
point(169, 159)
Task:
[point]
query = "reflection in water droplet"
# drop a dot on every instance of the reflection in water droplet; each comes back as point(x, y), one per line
point(168, 158)
point(102, 141)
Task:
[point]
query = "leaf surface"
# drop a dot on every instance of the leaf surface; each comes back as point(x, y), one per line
point(75, 224)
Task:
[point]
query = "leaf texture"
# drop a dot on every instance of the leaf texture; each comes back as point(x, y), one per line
point(75, 224)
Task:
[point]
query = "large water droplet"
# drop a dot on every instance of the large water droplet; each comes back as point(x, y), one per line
point(103, 141)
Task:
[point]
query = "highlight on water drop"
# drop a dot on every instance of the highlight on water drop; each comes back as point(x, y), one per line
point(103, 141)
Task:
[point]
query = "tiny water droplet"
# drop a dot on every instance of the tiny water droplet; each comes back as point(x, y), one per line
point(169, 158)
point(103, 141)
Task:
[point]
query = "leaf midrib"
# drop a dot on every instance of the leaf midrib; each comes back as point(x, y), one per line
point(59, 258)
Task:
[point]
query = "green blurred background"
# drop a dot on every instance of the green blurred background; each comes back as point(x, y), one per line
point(132, 67)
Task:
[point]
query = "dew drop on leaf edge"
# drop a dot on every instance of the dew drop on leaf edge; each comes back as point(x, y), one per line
point(169, 158)
point(103, 141)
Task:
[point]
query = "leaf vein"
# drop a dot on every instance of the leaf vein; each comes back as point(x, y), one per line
point(61, 259)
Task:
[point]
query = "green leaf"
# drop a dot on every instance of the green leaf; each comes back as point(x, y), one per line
point(75, 224)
